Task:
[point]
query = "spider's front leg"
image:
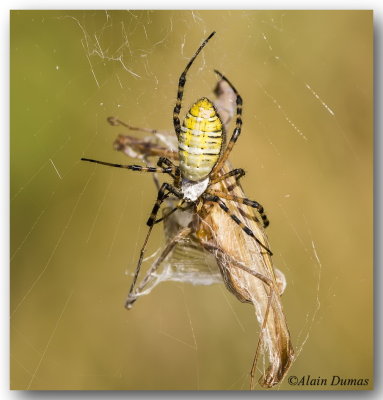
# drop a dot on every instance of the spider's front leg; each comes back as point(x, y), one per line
point(149, 274)
point(164, 192)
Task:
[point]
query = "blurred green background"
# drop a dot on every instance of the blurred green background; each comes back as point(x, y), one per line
point(76, 228)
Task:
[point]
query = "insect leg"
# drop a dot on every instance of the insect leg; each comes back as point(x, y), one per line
point(242, 200)
point(246, 229)
point(116, 122)
point(133, 295)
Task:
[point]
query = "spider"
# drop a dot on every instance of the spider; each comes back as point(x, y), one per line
point(202, 155)
point(236, 254)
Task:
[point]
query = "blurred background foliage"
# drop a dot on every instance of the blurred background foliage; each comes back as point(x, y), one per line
point(76, 229)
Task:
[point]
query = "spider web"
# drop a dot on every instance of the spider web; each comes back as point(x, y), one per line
point(76, 230)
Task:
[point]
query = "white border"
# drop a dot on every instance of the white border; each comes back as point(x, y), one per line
point(5, 7)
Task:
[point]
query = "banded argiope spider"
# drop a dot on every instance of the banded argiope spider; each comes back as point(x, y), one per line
point(202, 155)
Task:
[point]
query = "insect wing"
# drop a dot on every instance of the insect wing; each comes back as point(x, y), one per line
point(230, 245)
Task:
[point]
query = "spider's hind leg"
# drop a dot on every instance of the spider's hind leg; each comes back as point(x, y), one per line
point(237, 173)
point(242, 200)
point(246, 229)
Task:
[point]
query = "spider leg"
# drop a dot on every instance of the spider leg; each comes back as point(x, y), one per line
point(133, 295)
point(176, 174)
point(246, 229)
point(167, 215)
point(177, 207)
point(139, 168)
point(238, 173)
point(181, 85)
point(236, 132)
point(242, 200)
point(163, 193)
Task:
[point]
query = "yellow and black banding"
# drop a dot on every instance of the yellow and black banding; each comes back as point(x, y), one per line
point(181, 85)
point(237, 173)
point(245, 228)
point(163, 193)
point(243, 200)
point(200, 140)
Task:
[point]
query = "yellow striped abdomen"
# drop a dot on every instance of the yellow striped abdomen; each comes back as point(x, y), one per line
point(200, 141)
